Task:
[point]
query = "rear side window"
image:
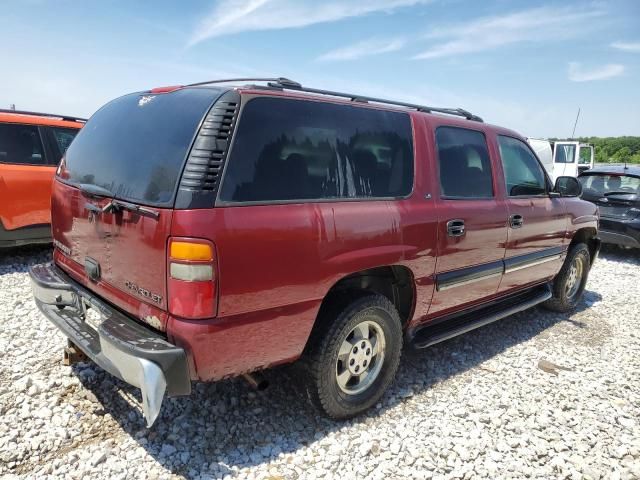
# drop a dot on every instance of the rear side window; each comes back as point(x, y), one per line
point(522, 171)
point(465, 167)
point(20, 144)
point(287, 149)
point(63, 138)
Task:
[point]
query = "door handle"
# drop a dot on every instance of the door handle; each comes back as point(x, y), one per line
point(516, 221)
point(455, 228)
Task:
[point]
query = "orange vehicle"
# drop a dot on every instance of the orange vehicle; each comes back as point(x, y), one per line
point(31, 145)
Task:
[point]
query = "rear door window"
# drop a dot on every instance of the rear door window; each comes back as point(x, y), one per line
point(63, 138)
point(289, 150)
point(464, 163)
point(20, 144)
point(522, 170)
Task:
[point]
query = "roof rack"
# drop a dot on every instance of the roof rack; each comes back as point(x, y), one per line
point(279, 80)
point(68, 118)
point(283, 83)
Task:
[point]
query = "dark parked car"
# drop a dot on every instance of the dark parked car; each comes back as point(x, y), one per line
point(616, 191)
point(215, 231)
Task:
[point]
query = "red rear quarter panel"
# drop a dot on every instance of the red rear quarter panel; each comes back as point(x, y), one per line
point(276, 263)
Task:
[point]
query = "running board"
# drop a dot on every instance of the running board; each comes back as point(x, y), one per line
point(444, 328)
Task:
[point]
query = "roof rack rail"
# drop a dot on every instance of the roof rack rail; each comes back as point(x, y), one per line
point(68, 118)
point(291, 85)
point(283, 83)
point(279, 80)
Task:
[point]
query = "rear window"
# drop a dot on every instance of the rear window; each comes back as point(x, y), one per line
point(20, 144)
point(601, 184)
point(136, 145)
point(287, 149)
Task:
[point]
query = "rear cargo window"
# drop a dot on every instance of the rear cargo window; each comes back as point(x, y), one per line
point(136, 145)
point(287, 149)
point(20, 144)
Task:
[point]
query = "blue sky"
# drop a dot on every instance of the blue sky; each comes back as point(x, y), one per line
point(523, 65)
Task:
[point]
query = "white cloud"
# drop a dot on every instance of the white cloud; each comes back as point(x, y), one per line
point(234, 16)
point(365, 48)
point(626, 46)
point(577, 73)
point(532, 25)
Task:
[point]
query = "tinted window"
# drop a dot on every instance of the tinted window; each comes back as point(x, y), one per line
point(20, 144)
point(63, 138)
point(288, 149)
point(136, 145)
point(523, 173)
point(465, 167)
point(565, 153)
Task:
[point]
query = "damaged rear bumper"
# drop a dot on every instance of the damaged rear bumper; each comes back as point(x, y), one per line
point(117, 343)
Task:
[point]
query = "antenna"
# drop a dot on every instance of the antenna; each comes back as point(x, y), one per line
point(575, 124)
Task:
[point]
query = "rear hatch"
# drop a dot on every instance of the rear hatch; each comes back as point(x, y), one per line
point(617, 195)
point(115, 192)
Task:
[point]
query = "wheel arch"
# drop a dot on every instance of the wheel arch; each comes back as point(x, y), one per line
point(588, 236)
point(395, 282)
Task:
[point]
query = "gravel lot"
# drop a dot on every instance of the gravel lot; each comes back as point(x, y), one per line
point(479, 406)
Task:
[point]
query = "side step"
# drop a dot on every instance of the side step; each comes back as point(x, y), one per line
point(444, 328)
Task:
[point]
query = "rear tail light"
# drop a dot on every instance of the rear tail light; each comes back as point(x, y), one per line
point(192, 285)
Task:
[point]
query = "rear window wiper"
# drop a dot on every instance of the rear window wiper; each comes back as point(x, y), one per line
point(118, 205)
point(95, 190)
point(114, 205)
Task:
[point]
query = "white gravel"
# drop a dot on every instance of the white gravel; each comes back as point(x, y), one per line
point(537, 395)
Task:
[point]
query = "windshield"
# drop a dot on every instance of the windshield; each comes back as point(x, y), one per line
point(602, 184)
point(136, 145)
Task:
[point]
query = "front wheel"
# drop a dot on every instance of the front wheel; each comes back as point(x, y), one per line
point(353, 359)
point(568, 286)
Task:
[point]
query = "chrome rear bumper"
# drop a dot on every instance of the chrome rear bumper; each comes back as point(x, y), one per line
point(117, 343)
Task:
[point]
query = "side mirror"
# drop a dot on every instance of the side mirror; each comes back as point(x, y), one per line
point(568, 187)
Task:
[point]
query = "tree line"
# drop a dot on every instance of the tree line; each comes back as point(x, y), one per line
point(614, 149)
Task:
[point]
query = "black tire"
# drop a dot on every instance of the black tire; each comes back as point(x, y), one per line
point(561, 301)
point(319, 367)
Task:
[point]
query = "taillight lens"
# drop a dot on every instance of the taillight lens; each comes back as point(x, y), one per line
point(192, 285)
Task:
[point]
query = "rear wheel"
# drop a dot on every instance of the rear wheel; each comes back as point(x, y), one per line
point(352, 361)
point(568, 286)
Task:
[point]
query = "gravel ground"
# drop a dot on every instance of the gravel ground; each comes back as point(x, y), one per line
point(536, 395)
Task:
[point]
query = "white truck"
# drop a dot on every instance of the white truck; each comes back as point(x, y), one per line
point(563, 158)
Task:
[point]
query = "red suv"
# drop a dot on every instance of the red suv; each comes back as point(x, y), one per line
point(206, 231)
